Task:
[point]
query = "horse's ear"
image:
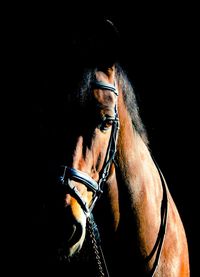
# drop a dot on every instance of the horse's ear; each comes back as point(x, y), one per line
point(110, 43)
point(110, 32)
point(97, 42)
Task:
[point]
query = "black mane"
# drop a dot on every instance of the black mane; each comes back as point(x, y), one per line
point(131, 103)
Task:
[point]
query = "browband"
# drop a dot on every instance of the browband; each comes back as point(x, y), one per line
point(102, 85)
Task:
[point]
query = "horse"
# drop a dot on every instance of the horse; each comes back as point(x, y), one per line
point(112, 210)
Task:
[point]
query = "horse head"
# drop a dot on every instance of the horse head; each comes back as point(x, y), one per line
point(90, 123)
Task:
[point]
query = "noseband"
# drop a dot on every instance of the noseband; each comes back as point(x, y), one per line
point(69, 173)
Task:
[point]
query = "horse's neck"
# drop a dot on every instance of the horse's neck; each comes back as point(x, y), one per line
point(140, 181)
point(137, 168)
point(136, 165)
point(136, 194)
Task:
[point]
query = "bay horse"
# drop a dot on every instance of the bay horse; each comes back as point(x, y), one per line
point(116, 206)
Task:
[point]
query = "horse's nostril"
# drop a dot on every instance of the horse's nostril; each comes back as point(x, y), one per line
point(75, 235)
point(73, 230)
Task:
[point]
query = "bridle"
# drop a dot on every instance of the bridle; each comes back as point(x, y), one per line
point(69, 174)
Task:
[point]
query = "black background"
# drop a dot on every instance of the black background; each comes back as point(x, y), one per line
point(160, 55)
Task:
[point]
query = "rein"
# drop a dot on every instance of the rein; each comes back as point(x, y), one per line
point(69, 174)
point(161, 234)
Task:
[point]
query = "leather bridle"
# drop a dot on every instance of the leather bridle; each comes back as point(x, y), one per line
point(69, 173)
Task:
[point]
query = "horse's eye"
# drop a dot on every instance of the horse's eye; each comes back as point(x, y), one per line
point(106, 124)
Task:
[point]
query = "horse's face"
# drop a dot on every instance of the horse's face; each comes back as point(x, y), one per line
point(91, 135)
